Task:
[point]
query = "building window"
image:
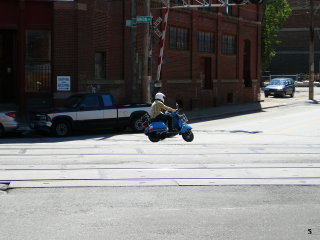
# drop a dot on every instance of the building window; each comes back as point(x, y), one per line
point(178, 38)
point(229, 45)
point(205, 42)
point(38, 61)
point(100, 63)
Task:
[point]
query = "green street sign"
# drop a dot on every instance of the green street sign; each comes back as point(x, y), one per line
point(130, 23)
point(144, 19)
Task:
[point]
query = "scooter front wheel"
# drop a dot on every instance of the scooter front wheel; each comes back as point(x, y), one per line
point(154, 137)
point(188, 136)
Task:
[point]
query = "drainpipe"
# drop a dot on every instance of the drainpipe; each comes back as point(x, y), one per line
point(21, 58)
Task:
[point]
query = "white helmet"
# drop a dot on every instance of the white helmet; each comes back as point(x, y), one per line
point(160, 96)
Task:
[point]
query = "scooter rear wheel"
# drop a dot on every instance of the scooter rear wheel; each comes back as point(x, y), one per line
point(188, 136)
point(154, 137)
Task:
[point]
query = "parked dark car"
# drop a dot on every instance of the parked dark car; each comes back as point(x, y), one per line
point(280, 87)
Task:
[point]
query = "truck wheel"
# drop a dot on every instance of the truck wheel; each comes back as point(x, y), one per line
point(137, 124)
point(1, 131)
point(188, 136)
point(61, 128)
point(154, 137)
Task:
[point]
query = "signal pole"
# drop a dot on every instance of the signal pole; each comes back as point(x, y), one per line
point(146, 54)
point(311, 52)
point(134, 96)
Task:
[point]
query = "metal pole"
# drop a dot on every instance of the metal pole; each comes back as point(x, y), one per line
point(134, 96)
point(146, 53)
point(311, 52)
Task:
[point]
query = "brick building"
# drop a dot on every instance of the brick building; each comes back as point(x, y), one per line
point(50, 49)
point(292, 54)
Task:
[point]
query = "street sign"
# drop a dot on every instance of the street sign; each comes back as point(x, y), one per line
point(130, 23)
point(144, 19)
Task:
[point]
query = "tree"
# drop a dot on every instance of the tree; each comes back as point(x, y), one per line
point(275, 14)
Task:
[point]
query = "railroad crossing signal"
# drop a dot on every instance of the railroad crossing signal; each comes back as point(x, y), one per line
point(157, 22)
point(155, 27)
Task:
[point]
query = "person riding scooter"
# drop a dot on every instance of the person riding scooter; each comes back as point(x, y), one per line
point(157, 109)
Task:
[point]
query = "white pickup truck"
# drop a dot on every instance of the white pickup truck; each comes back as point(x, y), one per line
point(90, 111)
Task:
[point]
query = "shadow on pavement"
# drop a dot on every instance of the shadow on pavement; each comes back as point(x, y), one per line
point(42, 137)
point(224, 115)
point(228, 131)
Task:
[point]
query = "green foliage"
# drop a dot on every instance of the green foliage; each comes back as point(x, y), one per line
point(275, 14)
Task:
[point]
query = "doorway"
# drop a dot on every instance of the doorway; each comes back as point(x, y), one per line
point(247, 64)
point(206, 72)
point(8, 66)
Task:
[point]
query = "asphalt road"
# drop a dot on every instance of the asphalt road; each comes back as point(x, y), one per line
point(250, 176)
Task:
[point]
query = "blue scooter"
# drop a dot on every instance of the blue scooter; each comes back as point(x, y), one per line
point(158, 130)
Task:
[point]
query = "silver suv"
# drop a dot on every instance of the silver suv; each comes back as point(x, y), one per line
point(280, 87)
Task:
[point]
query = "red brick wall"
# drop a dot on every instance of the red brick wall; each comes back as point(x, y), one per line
point(65, 44)
point(80, 30)
point(84, 27)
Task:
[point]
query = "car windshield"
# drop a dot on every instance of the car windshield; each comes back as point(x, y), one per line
point(72, 101)
point(277, 82)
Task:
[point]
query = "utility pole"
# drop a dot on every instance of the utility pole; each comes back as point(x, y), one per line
point(311, 52)
point(134, 96)
point(146, 54)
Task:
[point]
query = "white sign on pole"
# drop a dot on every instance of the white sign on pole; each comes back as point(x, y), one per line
point(158, 33)
point(63, 83)
point(157, 22)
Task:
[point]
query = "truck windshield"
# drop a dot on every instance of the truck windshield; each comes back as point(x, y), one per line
point(72, 101)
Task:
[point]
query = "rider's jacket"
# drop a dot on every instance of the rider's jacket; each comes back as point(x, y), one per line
point(158, 107)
